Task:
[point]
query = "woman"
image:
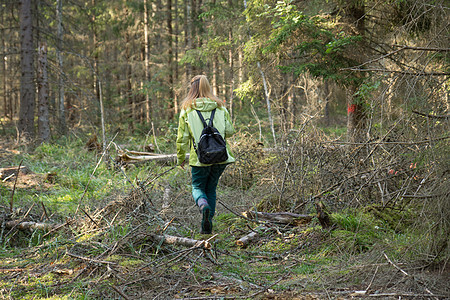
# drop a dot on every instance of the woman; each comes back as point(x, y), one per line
point(205, 177)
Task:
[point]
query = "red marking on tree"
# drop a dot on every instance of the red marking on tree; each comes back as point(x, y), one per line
point(351, 108)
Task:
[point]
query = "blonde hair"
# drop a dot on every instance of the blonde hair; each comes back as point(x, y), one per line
point(200, 88)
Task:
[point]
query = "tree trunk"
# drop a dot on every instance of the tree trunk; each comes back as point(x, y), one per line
point(43, 113)
point(326, 112)
point(128, 72)
point(266, 94)
point(4, 69)
point(147, 63)
point(214, 76)
point(176, 54)
point(170, 114)
point(61, 107)
point(291, 108)
point(188, 34)
point(95, 52)
point(27, 89)
point(231, 63)
point(240, 71)
point(355, 118)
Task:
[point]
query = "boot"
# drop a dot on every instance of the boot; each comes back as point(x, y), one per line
point(206, 219)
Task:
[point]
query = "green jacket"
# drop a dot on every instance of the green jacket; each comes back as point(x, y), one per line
point(190, 126)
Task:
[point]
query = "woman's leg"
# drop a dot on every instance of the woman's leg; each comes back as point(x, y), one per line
point(211, 185)
point(199, 180)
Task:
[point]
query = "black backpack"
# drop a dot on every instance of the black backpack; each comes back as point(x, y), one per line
point(211, 148)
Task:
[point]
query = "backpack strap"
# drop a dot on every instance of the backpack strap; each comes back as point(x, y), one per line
point(210, 118)
point(204, 123)
point(213, 112)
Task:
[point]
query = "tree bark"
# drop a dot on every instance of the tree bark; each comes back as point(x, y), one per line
point(356, 118)
point(31, 226)
point(326, 112)
point(147, 63)
point(176, 71)
point(43, 111)
point(61, 106)
point(129, 91)
point(176, 240)
point(4, 68)
point(188, 34)
point(27, 89)
point(170, 114)
point(231, 63)
point(95, 79)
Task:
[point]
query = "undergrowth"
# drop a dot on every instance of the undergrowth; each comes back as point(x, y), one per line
point(107, 240)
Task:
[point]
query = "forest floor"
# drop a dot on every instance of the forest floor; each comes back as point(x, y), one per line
point(108, 249)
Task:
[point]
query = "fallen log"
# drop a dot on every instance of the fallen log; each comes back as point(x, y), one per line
point(279, 217)
point(182, 241)
point(249, 238)
point(127, 156)
point(31, 226)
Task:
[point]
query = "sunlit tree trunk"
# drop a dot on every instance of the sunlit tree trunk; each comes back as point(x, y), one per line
point(214, 76)
point(176, 55)
point(231, 63)
point(147, 63)
point(27, 88)
point(43, 111)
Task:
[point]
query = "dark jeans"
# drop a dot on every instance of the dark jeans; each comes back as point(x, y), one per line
point(204, 183)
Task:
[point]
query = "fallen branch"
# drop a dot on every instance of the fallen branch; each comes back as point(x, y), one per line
point(11, 203)
point(9, 172)
point(406, 274)
point(91, 260)
point(247, 239)
point(236, 214)
point(280, 217)
point(121, 293)
point(269, 286)
point(431, 116)
point(57, 227)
